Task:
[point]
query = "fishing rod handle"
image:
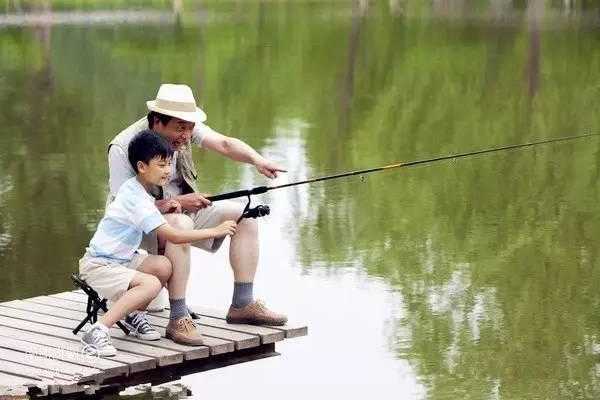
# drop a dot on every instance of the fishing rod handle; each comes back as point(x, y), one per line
point(239, 193)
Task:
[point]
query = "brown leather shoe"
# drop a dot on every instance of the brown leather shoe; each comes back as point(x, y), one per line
point(184, 331)
point(255, 313)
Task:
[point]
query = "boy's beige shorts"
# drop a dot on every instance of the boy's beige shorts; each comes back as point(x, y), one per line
point(109, 278)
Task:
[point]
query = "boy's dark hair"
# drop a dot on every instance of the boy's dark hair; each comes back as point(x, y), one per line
point(152, 115)
point(147, 145)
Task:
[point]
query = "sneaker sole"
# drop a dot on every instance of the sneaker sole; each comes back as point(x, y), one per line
point(150, 338)
point(95, 353)
point(132, 332)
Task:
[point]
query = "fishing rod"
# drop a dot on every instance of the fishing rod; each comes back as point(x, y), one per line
point(264, 210)
point(264, 189)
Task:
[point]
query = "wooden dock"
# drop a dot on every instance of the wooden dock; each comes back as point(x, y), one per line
point(40, 355)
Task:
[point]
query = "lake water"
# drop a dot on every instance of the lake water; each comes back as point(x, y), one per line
point(472, 279)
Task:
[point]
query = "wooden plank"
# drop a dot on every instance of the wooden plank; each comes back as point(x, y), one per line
point(163, 356)
point(35, 373)
point(64, 338)
point(50, 382)
point(45, 309)
point(109, 368)
point(291, 330)
point(13, 385)
point(45, 380)
point(216, 346)
point(78, 372)
point(241, 340)
point(73, 296)
point(189, 352)
point(59, 303)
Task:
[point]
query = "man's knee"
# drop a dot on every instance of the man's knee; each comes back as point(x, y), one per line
point(248, 225)
point(180, 221)
point(232, 211)
point(177, 221)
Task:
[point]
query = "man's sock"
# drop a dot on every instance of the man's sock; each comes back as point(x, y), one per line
point(178, 308)
point(242, 294)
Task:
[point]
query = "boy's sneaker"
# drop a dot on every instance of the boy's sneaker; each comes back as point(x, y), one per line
point(96, 342)
point(138, 325)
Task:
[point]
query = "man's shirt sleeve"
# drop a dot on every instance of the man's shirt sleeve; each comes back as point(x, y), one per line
point(119, 169)
point(199, 132)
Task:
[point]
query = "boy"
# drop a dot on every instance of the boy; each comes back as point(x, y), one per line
point(114, 266)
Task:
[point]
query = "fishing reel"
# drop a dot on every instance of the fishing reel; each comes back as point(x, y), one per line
point(254, 212)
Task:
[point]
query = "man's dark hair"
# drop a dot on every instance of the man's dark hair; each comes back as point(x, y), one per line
point(147, 145)
point(152, 115)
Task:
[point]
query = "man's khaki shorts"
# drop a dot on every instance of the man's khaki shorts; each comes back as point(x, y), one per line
point(109, 278)
point(204, 218)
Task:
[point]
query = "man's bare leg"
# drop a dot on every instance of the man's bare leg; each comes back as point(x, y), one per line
point(243, 256)
point(179, 255)
point(243, 250)
point(180, 328)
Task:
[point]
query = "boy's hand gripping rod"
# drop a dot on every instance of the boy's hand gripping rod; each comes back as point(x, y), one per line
point(264, 189)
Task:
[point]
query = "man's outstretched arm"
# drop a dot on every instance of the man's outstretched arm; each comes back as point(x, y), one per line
point(237, 150)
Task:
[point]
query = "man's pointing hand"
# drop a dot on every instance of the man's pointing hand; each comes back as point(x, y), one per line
point(268, 168)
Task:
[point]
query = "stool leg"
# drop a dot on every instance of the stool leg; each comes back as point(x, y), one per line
point(81, 324)
point(92, 314)
point(93, 305)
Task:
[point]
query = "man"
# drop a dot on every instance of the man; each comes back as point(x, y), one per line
point(175, 116)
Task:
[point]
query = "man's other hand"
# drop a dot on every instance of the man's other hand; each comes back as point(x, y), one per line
point(193, 201)
point(268, 168)
point(168, 206)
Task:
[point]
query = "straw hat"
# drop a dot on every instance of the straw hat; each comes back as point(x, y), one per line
point(177, 101)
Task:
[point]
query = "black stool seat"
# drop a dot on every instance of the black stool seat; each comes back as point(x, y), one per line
point(94, 304)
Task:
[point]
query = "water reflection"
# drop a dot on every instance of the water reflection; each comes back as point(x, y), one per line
point(458, 280)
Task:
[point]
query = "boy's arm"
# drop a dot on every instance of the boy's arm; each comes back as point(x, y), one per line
point(178, 236)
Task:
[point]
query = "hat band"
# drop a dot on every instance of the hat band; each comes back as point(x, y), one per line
point(177, 106)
